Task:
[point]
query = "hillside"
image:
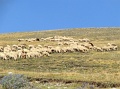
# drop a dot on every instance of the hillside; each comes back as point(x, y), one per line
point(99, 68)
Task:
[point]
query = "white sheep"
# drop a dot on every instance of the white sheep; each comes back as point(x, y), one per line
point(82, 49)
point(99, 49)
point(7, 49)
point(3, 56)
point(45, 54)
point(12, 55)
point(1, 48)
point(33, 54)
point(106, 48)
point(31, 46)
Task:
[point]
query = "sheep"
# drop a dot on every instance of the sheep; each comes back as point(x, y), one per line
point(49, 50)
point(7, 49)
point(32, 39)
point(98, 49)
point(106, 48)
point(29, 40)
point(82, 49)
point(79, 48)
point(60, 43)
point(84, 40)
point(20, 53)
point(42, 39)
point(30, 46)
point(1, 48)
point(12, 55)
point(19, 48)
point(42, 49)
point(45, 53)
point(3, 55)
point(88, 45)
point(14, 46)
point(66, 43)
point(14, 49)
point(56, 49)
point(112, 46)
point(64, 49)
point(40, 46)
point(33, 54)
point(22, 46)
point(69, 49)
point(115, 48)
point(25, 50)
point(21, 40)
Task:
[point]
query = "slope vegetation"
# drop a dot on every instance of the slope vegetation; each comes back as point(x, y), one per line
point(101, 68)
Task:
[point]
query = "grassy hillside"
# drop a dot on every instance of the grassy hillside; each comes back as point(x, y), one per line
point(94, 67)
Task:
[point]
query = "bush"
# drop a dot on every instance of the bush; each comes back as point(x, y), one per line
point(29, 87)
point(14, 81)
point(86, 86)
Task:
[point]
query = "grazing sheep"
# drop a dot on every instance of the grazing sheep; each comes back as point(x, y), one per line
point(112, 46)
point(22, 46)
point(29, 40)
point(56, 49)
point(3, 56)
point(7, 49)
point(84, 40)
point(82, 49)
point(115, 48)
point(66, 43)
point(21, 40)
point(60, 43)
point(1, 48)
point(98, 49)
point(64, 49)
point(88, 45)
point(40, 46)
point(19, 48)
point(106, 48)
point(20, 53)
point(70, 49)
point(14, 49)
point(25, 50)
point(45, 54)
point(33, 54)
point(12, 55)
point(30, 46)
point(14, 46)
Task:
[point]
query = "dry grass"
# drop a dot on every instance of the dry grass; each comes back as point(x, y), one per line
point(101, 67)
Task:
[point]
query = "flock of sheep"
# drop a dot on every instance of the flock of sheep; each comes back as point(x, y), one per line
point(64, 44)
point(29, 39)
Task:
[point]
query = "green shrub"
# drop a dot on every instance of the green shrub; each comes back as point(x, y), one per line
point(14, 81)
point(86, 86)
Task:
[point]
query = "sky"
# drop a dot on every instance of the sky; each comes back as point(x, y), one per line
point(38, 15)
